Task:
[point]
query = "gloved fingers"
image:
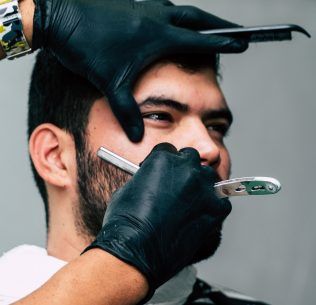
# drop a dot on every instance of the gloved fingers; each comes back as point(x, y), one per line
point(161, 147)
point(210, 174)
point(185, 41)
point(226, 206)
point(196, 233)
point(39, 26)
point(166, 2)
point(210, 244)
point(165, 147)
point(127, 112)
point(191, 154)
point(162, 2)
point(193, 18)
point(220, 208)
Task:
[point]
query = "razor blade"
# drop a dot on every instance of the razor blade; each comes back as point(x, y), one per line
point(227, 188)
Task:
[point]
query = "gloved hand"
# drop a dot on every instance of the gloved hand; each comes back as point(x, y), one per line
point(159, 221)
point(110, 41)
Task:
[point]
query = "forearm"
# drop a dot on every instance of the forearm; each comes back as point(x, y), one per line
point(96, 278)
point(27, 8)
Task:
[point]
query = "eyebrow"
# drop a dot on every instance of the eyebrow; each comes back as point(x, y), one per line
point(223, 113)
point(160, 101)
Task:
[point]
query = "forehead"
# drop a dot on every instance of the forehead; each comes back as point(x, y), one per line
point(199, 89)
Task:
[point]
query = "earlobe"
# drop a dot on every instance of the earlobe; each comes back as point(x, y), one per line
point(47, 147)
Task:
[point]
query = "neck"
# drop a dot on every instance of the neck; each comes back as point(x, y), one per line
point(64, 240)
point(65, 246)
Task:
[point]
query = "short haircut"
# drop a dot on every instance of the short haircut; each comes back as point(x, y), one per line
point(59, 97)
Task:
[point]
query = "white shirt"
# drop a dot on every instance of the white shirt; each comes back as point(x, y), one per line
point(26, 268)
point(23, 270)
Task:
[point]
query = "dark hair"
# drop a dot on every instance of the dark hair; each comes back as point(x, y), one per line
point(59, 97)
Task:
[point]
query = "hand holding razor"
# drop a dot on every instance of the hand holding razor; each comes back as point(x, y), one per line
point(227, 188)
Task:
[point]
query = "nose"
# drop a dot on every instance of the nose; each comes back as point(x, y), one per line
point(199, 138)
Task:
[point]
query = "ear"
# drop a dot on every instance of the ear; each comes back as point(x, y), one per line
point(51, 149)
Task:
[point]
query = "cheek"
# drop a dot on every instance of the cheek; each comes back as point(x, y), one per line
point(224, 167)
point(72, 169)
point(137, 152)
point(103, 129)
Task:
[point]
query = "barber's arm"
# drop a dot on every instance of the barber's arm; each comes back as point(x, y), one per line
point(165, 218)
point(97, 278)
point(110, 41)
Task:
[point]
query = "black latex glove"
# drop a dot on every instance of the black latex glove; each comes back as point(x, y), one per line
point(161, 218)
point(110, 41)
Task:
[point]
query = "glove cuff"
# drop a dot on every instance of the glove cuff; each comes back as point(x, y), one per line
point(40, 23)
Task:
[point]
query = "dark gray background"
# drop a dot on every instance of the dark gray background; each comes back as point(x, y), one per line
point(269, 246)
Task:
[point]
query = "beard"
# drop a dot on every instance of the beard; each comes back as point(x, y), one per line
point(97, 181)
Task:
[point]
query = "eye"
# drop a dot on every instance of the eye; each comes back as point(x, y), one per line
point(158, 116)
point(220, 129)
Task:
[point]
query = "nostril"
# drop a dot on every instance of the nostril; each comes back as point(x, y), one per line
point(204, 162)
point(213, 161)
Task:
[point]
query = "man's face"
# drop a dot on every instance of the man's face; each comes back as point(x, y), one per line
point(183, 108)
point(179, 107)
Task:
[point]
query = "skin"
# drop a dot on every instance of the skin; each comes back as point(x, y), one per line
point(96, 278)
point(52, 150)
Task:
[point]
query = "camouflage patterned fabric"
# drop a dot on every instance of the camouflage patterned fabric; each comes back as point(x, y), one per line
point(12, 38)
